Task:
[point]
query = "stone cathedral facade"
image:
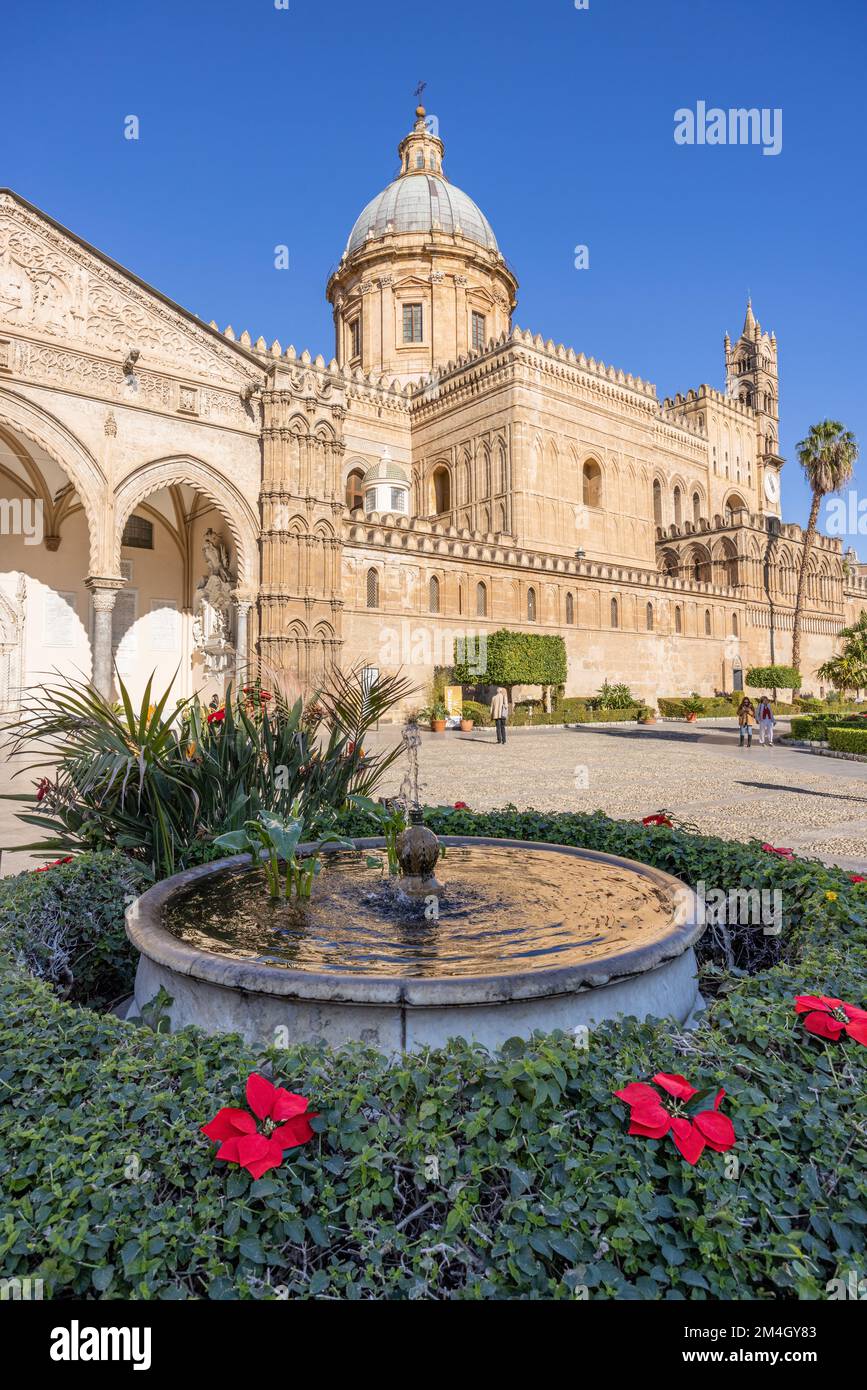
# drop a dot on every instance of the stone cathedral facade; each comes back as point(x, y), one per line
point(190, 502)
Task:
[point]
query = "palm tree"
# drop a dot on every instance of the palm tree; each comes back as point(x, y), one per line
point(848, 670)
point(827, 456)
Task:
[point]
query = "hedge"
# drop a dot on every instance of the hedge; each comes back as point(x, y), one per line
point(456, 1173)
point(480, 714)
point(848, 740)
point(815, 726)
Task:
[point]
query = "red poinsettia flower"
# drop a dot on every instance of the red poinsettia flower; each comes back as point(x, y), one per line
point(43, 787)
point(830, 1018)
point(285, 1119)
point(857, 878)
point(216, 716)
point(691, 1133)
point(55, 864)
point(461, 806)
point(658, 819)
point(783, 853)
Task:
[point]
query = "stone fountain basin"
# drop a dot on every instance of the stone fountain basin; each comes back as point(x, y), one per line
point(223, 994)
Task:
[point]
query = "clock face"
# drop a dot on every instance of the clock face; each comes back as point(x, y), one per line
point(772, 486)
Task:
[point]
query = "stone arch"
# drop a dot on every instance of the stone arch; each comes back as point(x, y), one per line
point(733, 504)
point(223, 494)
point(78, 464)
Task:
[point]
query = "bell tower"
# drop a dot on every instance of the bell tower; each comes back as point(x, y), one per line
point(752, 376)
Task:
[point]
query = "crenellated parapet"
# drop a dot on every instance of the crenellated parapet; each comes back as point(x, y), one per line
point(417, 538)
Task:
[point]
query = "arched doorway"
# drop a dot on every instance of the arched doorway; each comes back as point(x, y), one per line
point(47, 550)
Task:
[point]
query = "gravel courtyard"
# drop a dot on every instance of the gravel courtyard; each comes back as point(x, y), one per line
point(816, 806)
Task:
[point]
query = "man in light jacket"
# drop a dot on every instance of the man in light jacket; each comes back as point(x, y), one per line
point(500, 713)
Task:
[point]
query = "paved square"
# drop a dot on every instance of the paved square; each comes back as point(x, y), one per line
point(817, 806)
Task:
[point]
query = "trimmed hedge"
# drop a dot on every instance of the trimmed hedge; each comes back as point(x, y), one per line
point(455, 1173)
point(515, 658)
point(815, 726)
point(572, 712)
point(848, 740)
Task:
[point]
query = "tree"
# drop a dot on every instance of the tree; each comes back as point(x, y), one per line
point(827, 456)
point(516, 658)
point(848, 669)
point(775, 677)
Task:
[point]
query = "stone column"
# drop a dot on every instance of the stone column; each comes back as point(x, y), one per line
point(103, 593)
point(242, 610)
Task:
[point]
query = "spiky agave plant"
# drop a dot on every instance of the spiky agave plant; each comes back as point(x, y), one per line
point(160, 782)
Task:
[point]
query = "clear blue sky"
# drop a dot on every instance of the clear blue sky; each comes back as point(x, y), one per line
point(262, 126)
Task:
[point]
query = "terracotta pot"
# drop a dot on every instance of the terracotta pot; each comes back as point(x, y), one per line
point(466, 726)
point(691, 718)
point(651, 719)
point(438, 726)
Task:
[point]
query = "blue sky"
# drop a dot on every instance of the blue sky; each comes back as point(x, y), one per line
point(262, 126)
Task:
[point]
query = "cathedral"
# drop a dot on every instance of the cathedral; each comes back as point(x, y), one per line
point(194, 503)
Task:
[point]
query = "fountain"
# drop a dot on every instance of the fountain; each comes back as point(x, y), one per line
point(497, 938)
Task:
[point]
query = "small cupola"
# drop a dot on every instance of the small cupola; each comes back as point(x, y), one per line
point(420, 151)
point(386, 487)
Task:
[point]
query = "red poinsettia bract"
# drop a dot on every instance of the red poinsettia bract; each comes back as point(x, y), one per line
point(461, 806)
point(55, 864)
point(285, 1119)
point(659, 819)
point(782, 853)
point(831, 1018)
point(691, 1132)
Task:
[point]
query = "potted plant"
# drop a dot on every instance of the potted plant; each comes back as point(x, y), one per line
point(692, 706)
point(438, 716)
point(466, 720)
point(646, 715)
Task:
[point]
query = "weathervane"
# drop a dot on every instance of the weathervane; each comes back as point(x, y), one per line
point(419, 91)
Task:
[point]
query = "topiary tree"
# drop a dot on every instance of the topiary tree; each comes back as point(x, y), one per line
point(517, 658)
point(786, 677)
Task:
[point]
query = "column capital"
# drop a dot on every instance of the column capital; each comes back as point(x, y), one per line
point(104, 590)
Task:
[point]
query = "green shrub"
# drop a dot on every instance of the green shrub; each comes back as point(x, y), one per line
point(111, 1191)
point(65, 925)
point(848, 740)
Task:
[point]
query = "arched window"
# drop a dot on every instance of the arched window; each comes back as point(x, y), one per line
point(531, 605)
point(678, 620)
point(502, 469)
point(354, 493)
point(434, 594)
point(570, 609)
point(650, 617)
point(678, 507)
point(592, 484)
point(372, 589)
point(735, 627)
point(696, 508)
point(615, 613)
point(481, 600)
point(442, 490)
point(707, 623)
point(657, 502)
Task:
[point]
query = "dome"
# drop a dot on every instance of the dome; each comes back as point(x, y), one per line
point(422, 202)
point(385, 471)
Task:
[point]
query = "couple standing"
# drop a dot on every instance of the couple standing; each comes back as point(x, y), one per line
point(749, 718)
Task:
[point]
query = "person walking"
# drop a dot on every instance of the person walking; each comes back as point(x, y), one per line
point(766, 722)
point(746, 721)
point(500, 712)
